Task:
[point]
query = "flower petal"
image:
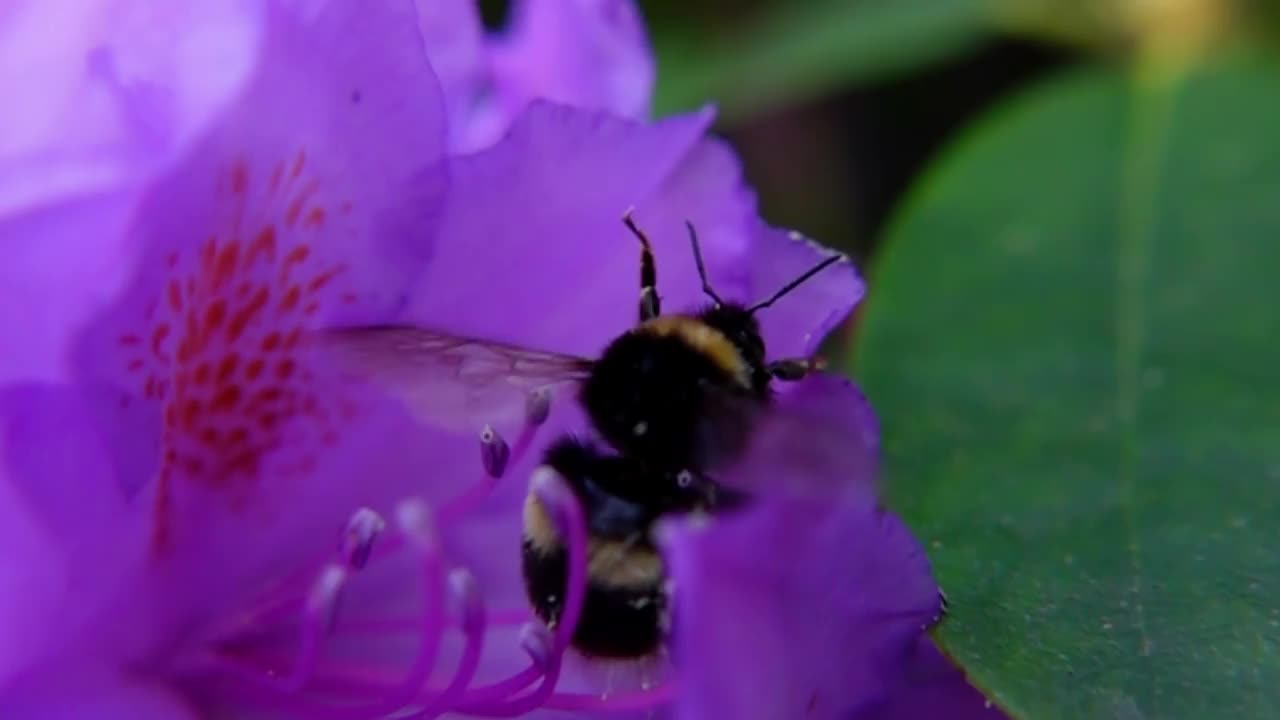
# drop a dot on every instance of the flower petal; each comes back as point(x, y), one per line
point(81, 693)
point(933, 688)
point(325, 155)
point(30, 575)
point(70, 527)
point(821, 434)
point(63, 263)
point(590, 54)
point(815, 620)
point(708, 191)
point(455, 40)
point(102, 113)
point(799, 322)
point(586, 53)
point(308, 201)
point(311, 201)
point(537, 253)
point(111, 90)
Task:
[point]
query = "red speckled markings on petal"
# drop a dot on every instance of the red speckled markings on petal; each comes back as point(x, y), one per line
point(219, 345)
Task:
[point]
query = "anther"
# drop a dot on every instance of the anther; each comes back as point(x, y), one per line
point(537, 406)
point(322, 600)
point(362, 529)
point(413, 517)
point(467, 598)
point(536, 640)
point(494, 452)
point(326, 588)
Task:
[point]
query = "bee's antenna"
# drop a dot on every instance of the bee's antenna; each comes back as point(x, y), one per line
point(650, 303)
point(702, 268)
point(794, 283)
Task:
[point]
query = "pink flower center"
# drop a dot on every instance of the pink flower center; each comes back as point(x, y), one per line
point(254, 671)
point(218, 348)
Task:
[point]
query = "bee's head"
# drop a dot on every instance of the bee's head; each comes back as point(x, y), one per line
point(738, 322)
point(739, 325)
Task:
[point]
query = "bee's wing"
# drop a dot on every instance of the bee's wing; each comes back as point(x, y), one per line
point(447, 380)
point(819, 439)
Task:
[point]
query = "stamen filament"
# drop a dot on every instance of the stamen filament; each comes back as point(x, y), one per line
point(415, 524)
point(395, 625)
point(473, 627)
point(459, 507)
point(632, 701)
point(523, 704)
point(410, 692)
point(317, 617)
point(495, 692)
point(561, 504)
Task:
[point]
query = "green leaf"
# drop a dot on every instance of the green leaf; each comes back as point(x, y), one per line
point(1073, 344)
point(793, 51)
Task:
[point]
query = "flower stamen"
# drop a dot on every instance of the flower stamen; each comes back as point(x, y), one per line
point(626, 702)
point(564, 510)
point(414, 522)
point(496, 456)
point(472, 614)
point(362, 529)
point(494, 452)
point(452, 598)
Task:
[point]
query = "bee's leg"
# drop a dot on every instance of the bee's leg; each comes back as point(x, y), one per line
point(792, 369)
point(650, 307)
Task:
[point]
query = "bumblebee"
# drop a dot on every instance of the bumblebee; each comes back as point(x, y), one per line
point(625, 609)
point(672, 399)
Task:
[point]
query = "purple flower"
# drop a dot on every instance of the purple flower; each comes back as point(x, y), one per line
point(201, 516)
point(590, 54)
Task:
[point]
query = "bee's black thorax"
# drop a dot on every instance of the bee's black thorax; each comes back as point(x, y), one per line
point(623, 496)
point(680, 391)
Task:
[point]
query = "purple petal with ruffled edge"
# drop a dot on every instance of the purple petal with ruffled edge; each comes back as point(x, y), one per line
point(813, 619)
point(932, 688)
point(557, 268)
point(538, 255)
point(809, 601)
point(590, 54)
point(798, 323)
point(586, 53)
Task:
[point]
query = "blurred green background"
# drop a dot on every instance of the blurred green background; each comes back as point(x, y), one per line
point(1069, 215)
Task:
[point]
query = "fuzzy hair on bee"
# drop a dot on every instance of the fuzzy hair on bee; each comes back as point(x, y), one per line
point(669, 401)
